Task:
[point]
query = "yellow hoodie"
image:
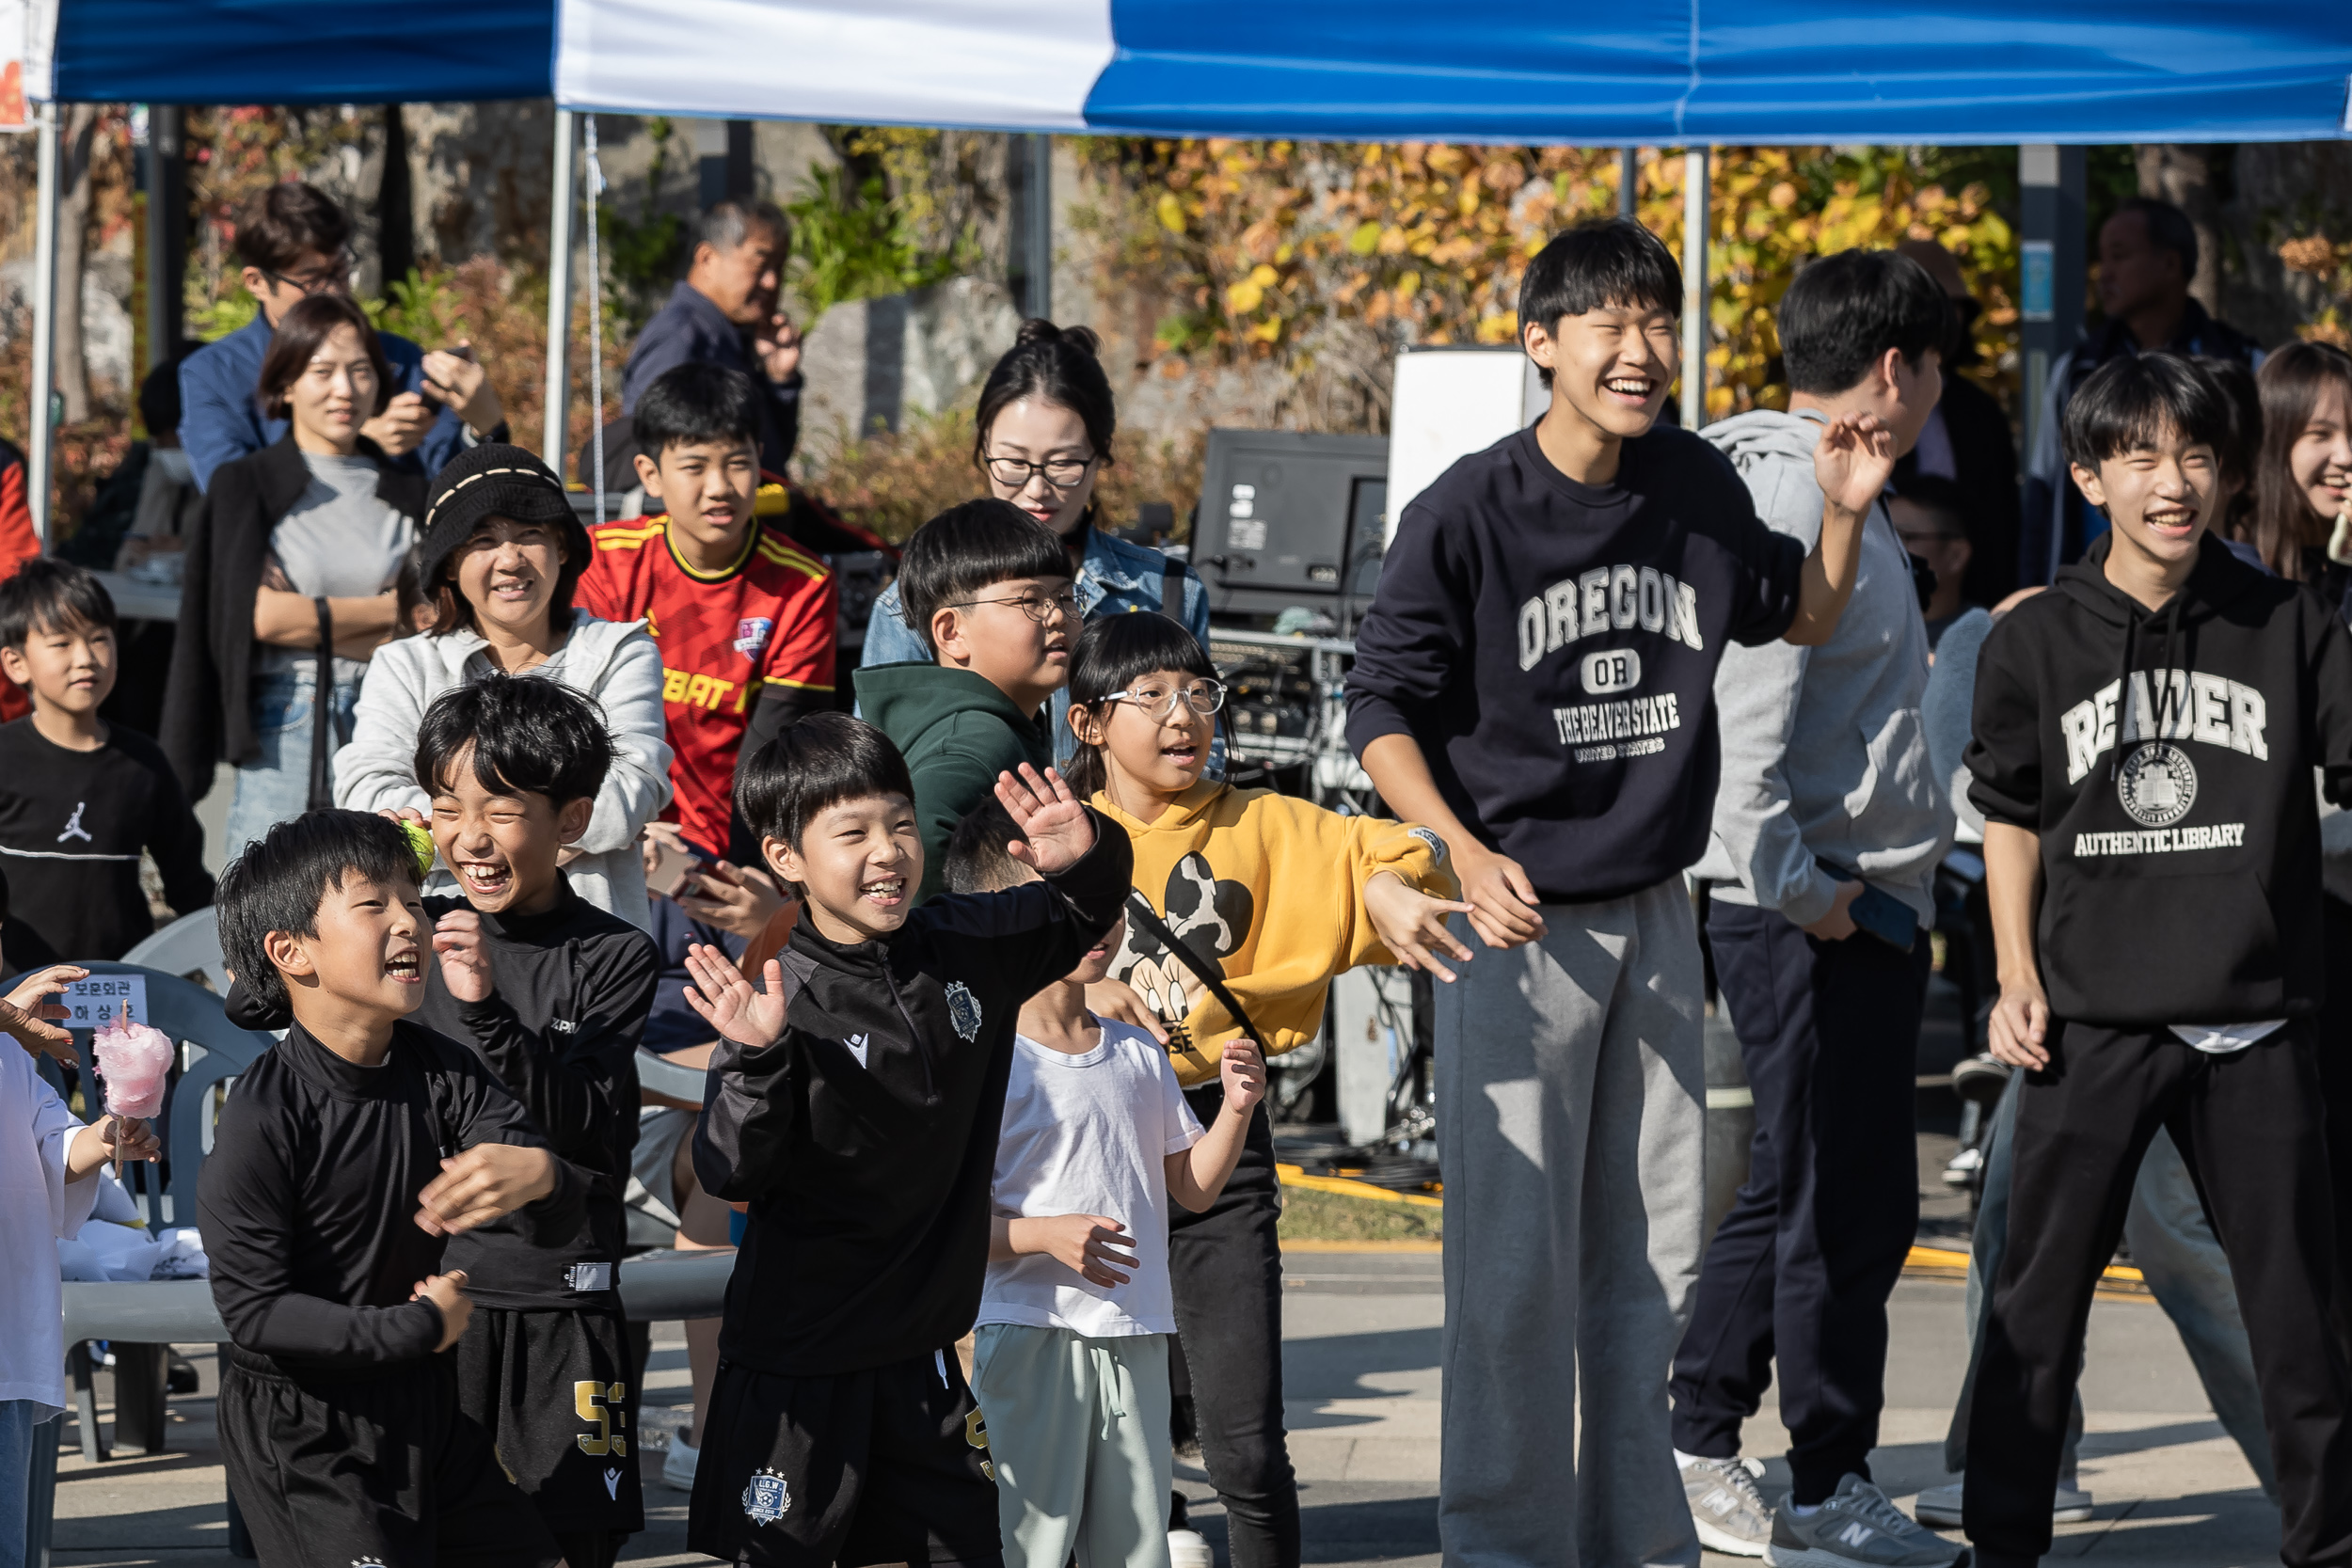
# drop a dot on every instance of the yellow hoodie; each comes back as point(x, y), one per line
point(1211, 867)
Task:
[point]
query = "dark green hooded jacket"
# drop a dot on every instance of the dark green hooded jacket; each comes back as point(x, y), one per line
point(957, 731)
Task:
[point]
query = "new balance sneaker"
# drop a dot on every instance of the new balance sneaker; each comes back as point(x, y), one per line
point(1730, 1513)
point(1939, 1506)
point(678, 1465)
point(1855, 1525)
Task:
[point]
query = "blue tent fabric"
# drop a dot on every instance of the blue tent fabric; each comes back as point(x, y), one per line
point(302, 51)
point(1670, 71)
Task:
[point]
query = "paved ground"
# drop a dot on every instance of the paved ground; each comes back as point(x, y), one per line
point(1362, 1382)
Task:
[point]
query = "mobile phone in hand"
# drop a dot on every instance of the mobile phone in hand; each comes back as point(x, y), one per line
point(675, 870)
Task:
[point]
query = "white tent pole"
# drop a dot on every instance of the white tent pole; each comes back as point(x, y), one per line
point(1695, 293)
point(596, 321)
point(552, 440)
point(42, 446)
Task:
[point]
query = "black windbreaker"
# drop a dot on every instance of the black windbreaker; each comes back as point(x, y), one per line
point(865, 1136)
point(2166, 760)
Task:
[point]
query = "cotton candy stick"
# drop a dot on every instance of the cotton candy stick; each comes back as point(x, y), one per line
point(134, 1059)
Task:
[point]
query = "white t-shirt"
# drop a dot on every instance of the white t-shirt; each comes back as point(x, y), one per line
point(1089, 1135)
point(37, 1206)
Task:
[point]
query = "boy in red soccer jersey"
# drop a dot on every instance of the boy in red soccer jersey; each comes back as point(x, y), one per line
point(744, 617)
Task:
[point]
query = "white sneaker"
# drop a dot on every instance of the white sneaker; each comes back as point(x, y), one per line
point(1939, 1506)
point(1189, 1548)
point(1730, 1513)
point(678, 1465)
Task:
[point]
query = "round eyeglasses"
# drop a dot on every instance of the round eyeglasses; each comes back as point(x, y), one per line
point(1064, 604)
point(1204, 697)
point(1060, 472)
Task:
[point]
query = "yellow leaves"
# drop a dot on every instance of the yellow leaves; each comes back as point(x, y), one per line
point(1782, 197)
point(1171, 212)
point(1409, 285)
point(1366, 238)
point(1503, 328)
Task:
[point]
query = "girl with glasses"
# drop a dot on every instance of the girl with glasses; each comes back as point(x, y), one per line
point(1270, 897)
point(1046, 422)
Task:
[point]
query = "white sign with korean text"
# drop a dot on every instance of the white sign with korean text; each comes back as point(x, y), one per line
point(94, 1002)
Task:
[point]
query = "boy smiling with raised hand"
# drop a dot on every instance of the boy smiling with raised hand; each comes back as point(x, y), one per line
point(988, 589)
point(346, 1155)
point(1535, 682)
point(853, 1105)
point(552, 993)
point(2146, 736)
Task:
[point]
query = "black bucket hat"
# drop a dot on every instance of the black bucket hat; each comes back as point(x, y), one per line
point(502, 481)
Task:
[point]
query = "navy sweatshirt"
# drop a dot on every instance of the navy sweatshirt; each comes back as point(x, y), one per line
point(308, 1203)
point(863, 1138)
point(569, 993)
point(1552, 647)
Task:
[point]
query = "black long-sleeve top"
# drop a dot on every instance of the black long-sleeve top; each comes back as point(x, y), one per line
point(72, 827)
point(308, 1204)
point(570, 990)
point(865, 1135)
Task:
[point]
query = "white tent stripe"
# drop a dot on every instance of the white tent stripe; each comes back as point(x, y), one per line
point(1015, 64)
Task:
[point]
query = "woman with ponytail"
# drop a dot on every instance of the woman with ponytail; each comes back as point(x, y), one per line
point(1046, 422)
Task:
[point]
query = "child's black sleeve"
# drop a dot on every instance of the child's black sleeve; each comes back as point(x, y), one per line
point(750, 1108)
point(2004, 756)
point(177, 842)
point(1034, 934)
point(245, 1210)
point(483, 1112)
point(2331, 709)
point(574, 1085)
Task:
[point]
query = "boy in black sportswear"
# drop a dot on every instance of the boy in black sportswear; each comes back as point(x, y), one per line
point(343, 1159)
point(853, 1103)
point(552, 993)
point(2145, 739)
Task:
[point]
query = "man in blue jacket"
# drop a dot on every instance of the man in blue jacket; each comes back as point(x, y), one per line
point(724, 312)
point(297, 242)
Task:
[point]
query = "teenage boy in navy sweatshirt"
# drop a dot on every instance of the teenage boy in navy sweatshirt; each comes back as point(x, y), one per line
point(552, 994)
point(1535, 682)
point(2145, 739)
point(853, 1103)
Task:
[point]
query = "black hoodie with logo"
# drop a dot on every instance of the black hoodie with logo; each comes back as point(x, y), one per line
point(2166, 760)
point(865, 1136)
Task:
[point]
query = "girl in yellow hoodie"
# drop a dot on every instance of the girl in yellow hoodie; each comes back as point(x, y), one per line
point(1272, 897)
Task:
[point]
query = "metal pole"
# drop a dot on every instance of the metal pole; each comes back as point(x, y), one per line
point(43, 442)
point(558, 425)
point(1629, 180)
point(1694, 295)
point(166, 212)
point(2052, 185)
point(1039, 262)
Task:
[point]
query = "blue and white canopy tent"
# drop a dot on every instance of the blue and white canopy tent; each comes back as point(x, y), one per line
point(1627, 72)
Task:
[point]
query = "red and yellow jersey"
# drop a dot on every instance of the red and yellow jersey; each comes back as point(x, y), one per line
point(767, 620)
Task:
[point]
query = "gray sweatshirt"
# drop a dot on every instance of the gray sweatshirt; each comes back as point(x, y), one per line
point(1825, 755)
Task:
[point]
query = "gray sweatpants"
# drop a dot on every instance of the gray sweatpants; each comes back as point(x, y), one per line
point(1571, 1106)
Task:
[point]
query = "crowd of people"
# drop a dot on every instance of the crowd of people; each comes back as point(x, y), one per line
point(985, 968)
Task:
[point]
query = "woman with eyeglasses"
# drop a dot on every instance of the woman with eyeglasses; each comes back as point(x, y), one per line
point(1247, 903)
point(289, 585)
point(1046, 421)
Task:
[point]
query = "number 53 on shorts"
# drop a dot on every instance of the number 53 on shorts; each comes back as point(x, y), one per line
point(604, 1406)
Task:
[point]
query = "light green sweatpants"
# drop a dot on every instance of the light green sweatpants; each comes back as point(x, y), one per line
point(1077, 1430)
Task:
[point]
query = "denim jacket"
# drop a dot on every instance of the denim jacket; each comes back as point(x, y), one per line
point(1114, 578)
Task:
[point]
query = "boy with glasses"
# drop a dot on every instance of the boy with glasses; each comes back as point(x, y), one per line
point(988, 589)
point(296, 243)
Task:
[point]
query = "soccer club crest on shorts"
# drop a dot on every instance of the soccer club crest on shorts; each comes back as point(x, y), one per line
point(767, 1500)
point(964, 1008)
point(751, 634)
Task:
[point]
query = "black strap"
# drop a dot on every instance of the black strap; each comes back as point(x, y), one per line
point(1139, 910)
point(323, 711)
point(1173, 591)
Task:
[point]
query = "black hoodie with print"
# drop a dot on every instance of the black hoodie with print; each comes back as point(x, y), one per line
point(864, 1137)
point(2166, 760)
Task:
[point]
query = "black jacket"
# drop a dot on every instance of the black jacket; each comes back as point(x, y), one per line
point(570, 994)
point(2166, 760)
point(208, 717)
point(308, 1202)
point(865, 1136)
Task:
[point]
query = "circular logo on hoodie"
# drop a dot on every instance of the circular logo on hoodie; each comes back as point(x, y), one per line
point(2157, 783)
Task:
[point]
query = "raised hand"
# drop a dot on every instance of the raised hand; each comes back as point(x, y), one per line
point(1056, 831)
point(465, 963)
point(454, 376)
point(1412, 924)
point(777, 344)
point(729, 1003)
point(401, 428)
point(1243, 1073)
point(1853, 460)
point(25, 1015)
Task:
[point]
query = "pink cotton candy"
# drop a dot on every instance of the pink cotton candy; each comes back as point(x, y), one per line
point(134, 1059)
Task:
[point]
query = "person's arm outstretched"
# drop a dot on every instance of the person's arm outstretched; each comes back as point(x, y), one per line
point(1853, 461)
point(1504, 909)
point(1200, 1173)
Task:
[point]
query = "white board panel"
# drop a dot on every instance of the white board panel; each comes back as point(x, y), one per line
point(1448, 403)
